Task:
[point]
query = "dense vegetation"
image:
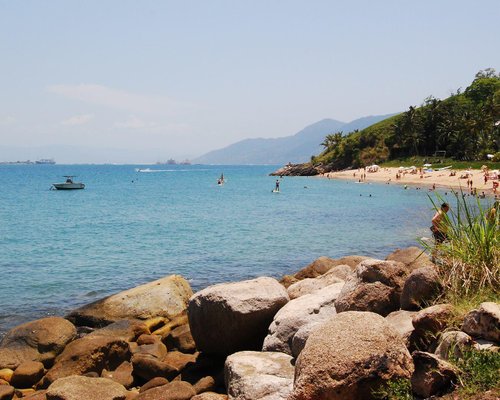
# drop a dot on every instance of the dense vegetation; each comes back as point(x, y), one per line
point(465, 126)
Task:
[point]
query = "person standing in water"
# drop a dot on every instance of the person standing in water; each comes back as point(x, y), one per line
point(277, 188)
point(439, 228)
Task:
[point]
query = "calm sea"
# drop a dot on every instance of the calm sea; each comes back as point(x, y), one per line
point(63, 249)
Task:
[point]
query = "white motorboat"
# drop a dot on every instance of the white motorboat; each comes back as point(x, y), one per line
point(69, 184)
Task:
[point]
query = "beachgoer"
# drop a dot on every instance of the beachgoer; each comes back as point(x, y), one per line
point(277, 185)
point(493, 213)
point(439, 228)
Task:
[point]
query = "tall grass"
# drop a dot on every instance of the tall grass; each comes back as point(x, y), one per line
point(469, 261)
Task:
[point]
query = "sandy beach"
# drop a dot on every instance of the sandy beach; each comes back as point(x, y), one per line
point(447, 179)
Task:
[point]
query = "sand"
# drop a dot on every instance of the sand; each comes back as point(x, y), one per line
point(439, 179)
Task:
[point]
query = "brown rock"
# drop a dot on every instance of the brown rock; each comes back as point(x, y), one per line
point(210, 396)
point(420, 288)
point(165, 330)
point(178, 360)
point(316, 268)
point(432, 376)
point(401, 321)
point(41, 340)
point(80, 387)
point(6, 392)
point(166, 297)
point(155, 382)
point(6, 374)
point(412, 257)
point(177, 390)
point(147, 367)
point(148, 339)
point(288, 280)
point(204, 366)
point(348, 356)
point(181, 339)
point(121, 375)
point(89, 354)
point(37, 395)
point(484, 322)
point(158, 350)
point(27, 374)
point(124, 329)
point(205, 384)
point(4, 383)
point(428, 323)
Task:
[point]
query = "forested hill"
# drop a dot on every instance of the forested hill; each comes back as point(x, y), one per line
point(466, 126)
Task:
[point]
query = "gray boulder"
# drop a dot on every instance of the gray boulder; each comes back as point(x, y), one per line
point(300, 338)
point(453, 342)
point(41, 340)
point(166, 297)
point(298, 312)
point(348, 357)
point(229, 317)
point(375, 286)
point(432, 375)
point(81, 387)
point(484, 322)
point(251, 375)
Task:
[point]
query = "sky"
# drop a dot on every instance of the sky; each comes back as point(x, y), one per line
point(144, 81)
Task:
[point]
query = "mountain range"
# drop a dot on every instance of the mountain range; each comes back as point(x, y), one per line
point(297, 148)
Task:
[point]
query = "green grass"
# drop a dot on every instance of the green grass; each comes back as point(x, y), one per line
point(397, 389)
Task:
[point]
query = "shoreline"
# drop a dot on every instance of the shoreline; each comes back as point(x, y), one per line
point(436, 179)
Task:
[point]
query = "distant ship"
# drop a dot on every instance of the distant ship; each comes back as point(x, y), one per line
point(185, 162)
point(171, 162)
point(45, 161)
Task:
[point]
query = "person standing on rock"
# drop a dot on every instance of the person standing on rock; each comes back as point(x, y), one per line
point(439, 228)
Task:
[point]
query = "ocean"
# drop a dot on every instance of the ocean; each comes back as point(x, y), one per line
point(62, 249)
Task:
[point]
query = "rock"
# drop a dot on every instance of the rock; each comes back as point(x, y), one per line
point(288, 280)
point(401, 322)
point(311, 285)
point(166, 329)
point(205, 384)
point(376, 286)
point(124, 329)
point(486, 345)
point(205, 365)
point(6, 392)
point(148, 339)
point(6, 374)
point(37, 395)
point(147, 367)
point(89, 354)
point(177, 390)
point(251, 375)
point(181, 339)
point(421, 287)
point(41, 340)
point(166, 297)
point(81, 387)
point(341, 271)
point(324, 264)
point(157, 350)
point(348, 357)
point(300, 338)
point(432, 376)
point(155, 382)
point(229, 317)
point(412, 257)
point(428, 323)
point(306, 169)
point(209, 396)
point(298, 312)
point(484, 322)
point(4, 383)
point(453, 341)
point(178, 360)
point(121, 375)
point(27, 374)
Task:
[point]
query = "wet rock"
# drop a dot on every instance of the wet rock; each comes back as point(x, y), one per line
point(484, 322)
point(376, 286)
point(166, 297)
point(432, 375)
point(80, 387)
point(27, 374)
point(348, 357)
point(41, 340)
point(259, 375)
point(420, 288)
point(298, 312)
point(229, 317)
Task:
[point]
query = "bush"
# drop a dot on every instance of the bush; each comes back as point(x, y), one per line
point(478, 370)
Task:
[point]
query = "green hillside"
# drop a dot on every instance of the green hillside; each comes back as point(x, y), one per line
point(464, 127)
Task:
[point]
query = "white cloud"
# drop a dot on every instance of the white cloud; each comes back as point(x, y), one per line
point(7, 120)
point(78, 120)
point(118, 99)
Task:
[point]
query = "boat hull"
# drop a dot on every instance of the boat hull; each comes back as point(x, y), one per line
point(68, 186)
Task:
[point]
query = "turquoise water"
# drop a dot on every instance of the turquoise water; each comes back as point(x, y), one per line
point(62, 249)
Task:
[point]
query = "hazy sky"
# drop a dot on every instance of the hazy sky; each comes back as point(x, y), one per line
point(161, 79)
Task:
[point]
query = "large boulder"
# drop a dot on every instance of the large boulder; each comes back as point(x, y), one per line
point(402, 322)
point(251, 375)
point(323, 264)
point(41, 340)
point(125, 329)
point(432, 375)
point(81, 387)
point(420, 288)
point(428, 323)
point(348, 357)
point(229, 317)
point(375, 286)
point(177, 390)
point(484, 322)
point(27, 374)
point(166, 297)
point(298, 312)
point(311, 285)
point(88, 354)
point(412, 257)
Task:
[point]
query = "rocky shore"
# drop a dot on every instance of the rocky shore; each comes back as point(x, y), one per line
point(337, 329)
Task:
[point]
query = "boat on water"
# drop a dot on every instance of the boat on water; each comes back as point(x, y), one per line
point(45, 161)
point(69, 184)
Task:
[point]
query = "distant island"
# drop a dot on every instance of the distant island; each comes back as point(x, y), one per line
point(171, 161)
point(46, 161)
